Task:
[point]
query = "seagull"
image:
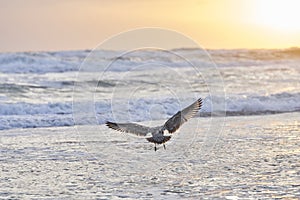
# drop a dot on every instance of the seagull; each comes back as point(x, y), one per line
point(158, 133)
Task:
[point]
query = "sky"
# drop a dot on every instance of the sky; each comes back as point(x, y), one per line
point(53, 25)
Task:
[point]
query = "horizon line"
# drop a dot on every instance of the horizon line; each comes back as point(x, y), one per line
point(172, 49)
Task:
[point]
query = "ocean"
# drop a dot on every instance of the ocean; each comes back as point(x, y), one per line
point(244, 142)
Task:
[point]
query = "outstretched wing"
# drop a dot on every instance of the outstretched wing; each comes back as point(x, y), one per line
point(182, 116)
point(129, 128)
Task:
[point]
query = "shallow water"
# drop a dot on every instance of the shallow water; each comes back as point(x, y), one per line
point(255, 157)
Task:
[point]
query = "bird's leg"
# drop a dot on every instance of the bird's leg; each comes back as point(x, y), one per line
point(155, 147)
point(164, 146)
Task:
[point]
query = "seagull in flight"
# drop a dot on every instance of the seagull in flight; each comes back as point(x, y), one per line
point(158, 133)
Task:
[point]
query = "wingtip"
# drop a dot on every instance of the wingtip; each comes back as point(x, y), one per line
point(200, 102)
point(110, 124)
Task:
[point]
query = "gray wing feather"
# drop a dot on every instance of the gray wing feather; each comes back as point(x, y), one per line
point(130, 128)
point(182, 116)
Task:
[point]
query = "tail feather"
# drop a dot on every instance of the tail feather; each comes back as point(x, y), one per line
point(166, 138)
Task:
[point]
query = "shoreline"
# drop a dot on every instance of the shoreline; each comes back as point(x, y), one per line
point(254, 157)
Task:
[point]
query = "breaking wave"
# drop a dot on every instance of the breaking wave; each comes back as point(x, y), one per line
point(25, 115)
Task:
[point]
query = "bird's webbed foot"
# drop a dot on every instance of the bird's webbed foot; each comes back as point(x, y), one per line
point(164, 146)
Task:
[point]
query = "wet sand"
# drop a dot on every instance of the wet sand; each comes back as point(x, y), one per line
point(254, 157)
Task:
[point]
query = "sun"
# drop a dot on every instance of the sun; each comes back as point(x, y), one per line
point(282, 15)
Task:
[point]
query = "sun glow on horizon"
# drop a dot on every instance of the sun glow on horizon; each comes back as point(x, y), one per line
point(280, 15)
point(67, 25)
